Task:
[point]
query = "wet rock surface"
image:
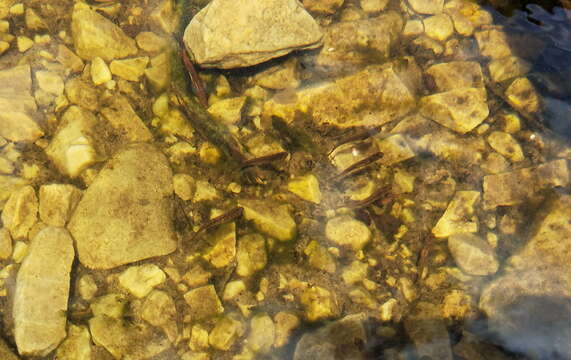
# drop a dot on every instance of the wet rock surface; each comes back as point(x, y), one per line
point(375, 186)
point(124, 216)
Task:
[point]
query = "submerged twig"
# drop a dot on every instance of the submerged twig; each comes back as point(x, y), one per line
point(197, 82)
point(229, 216)
point(376, 195)
point(358, 166)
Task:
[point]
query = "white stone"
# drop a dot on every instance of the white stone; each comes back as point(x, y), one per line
point(234, 33)
point(141, 280)
point(71, 148)
point(41, 294)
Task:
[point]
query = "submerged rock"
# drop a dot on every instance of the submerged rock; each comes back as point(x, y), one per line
point(529, 306)
point(274, 220)
point(21, 212)
point(125, 215)
point(228, 33)
point(94, 35)
point(350, 43)
point(42, 290)
point(371, 97)
point(473, 254)
point(18, 110)
point(515, 187)
point(345, 336)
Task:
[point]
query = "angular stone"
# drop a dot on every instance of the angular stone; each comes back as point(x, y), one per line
point(50, 82)
point(521, 94)
point(459, 215)
point(272, 219)
point(57, 202)
point(77, 345)
point(159, 73)
point(151, 42)
point(344, 336)
point(127, 124)
point(350, 44)
point(229, 110)
point(438, 27)
point(125, 341)
point(203, 302)
point(21, 212)
point(319, 258)
point(96, 36)
point(515, 187)
point(9, 184)
point(18, 110)
point(346, 231)
point(473, 254)
point(262, 333)
point(223, 251)
point(41, 294)
point(371, 97)
point(456, 74)
point(141, 280)
point(319, 304)
point(285, 323)
point(159, 310)
point(493, 43)
point(506, 145)
point(72, 148)
point(69, 59)
point(280, 76)
point(395, 149)
point(82, 93)
point(100, 73)
point(460, 109)
point(125, 214)
point(225, 333)
point(257, 31)
point(251, 255)
point(528, 306)
point(427, 6)
point(129, 69)
point(306, 187)
point(508, 68)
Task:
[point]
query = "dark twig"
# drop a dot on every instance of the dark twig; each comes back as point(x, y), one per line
point(229, 216)
point(197, 82)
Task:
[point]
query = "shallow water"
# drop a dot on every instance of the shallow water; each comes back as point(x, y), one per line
point(398, 191)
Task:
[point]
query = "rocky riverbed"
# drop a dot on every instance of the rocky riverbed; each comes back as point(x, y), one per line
point(367, 179)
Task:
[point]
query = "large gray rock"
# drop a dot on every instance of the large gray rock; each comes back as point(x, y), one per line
point(125, 215)
point(530, 306)
point(18, 110)
point(235, 33)
point(42, 290)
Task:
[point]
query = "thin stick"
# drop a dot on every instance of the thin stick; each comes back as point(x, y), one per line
point(194, 77)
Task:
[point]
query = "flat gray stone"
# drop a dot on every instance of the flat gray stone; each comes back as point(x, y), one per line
point(125, 215)
point(235, 33)
point(42, 290)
